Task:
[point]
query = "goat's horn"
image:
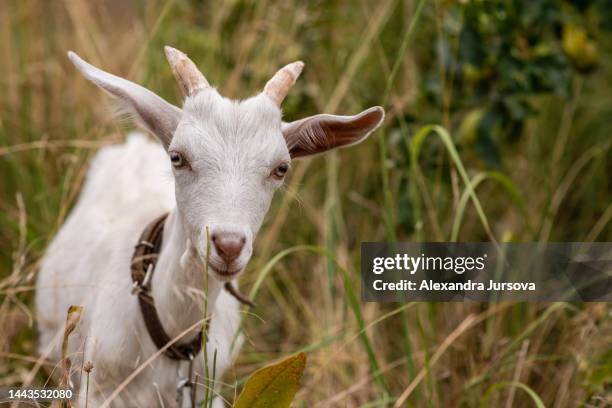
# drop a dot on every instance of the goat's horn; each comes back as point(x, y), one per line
point(278, 87)
point(188, 76)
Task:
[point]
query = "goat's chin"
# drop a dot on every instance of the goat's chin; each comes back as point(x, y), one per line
point(224, 275)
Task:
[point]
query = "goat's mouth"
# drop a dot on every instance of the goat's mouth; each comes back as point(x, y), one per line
point(224, 273)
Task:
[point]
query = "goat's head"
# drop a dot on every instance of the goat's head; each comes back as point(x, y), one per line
point(229, 157)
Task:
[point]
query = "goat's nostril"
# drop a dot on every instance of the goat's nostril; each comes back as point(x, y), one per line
point(228, 246)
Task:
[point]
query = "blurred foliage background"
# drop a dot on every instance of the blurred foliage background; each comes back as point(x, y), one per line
point(522, 88)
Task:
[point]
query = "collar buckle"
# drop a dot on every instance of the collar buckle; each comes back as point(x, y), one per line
point(144, 286)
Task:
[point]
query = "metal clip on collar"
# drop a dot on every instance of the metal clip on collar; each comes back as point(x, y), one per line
point(185, 382)
point(138, 287)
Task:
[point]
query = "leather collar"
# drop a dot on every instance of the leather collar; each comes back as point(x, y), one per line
point(144, 259)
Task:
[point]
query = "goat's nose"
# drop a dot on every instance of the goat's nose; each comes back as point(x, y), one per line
point(228, 245)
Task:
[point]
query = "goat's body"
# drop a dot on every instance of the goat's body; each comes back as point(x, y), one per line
point(87, 264)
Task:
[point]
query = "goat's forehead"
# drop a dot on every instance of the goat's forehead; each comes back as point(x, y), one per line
point(210, 107)
point(216, 123)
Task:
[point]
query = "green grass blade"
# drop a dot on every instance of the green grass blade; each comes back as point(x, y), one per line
point(382, 143)
point(506, 384)
point(352, 299)
point(504, 181)
point(415, 150)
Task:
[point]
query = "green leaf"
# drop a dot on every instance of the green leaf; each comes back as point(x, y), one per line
point(273, 386)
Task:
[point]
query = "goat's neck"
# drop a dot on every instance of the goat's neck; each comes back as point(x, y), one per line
point(179, 284)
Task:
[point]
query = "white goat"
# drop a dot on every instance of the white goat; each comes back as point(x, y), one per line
point(226, 159)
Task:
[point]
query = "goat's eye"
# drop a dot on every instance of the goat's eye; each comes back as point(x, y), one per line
point(280, 171)
point(177, 160)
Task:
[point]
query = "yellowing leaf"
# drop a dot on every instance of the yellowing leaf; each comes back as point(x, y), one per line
point(581, 51)
point(468, 130)
point(273, 386)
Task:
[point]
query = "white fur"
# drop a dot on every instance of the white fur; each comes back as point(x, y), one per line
point(232, 150)
point(88, 264)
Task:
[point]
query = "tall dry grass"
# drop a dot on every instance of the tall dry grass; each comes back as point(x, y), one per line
point(305, 272)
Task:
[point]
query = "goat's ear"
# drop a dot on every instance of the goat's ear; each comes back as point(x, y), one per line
point(320, 133)
point(149, 110)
